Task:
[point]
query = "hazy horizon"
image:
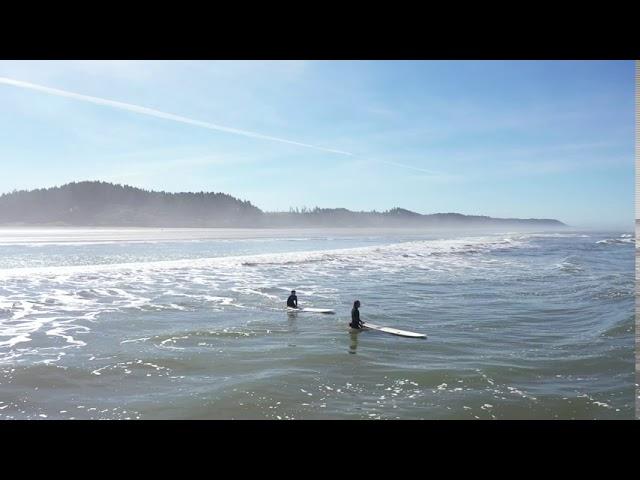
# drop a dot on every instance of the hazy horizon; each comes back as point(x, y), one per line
point(525, 139)
point(602, 226)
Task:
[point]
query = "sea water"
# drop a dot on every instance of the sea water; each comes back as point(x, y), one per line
point(190, 324)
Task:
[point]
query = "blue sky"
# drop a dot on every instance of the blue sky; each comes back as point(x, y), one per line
point(506, 139)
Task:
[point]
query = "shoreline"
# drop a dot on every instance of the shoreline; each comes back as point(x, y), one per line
point(37, 234)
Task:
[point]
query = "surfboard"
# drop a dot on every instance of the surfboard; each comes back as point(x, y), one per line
point(310, 310)
point(393, 331)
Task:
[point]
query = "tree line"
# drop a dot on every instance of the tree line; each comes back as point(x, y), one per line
point(97, 203)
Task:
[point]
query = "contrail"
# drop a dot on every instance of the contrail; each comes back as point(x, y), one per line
point(156, 113)
point(395, 164)
point(177, 118)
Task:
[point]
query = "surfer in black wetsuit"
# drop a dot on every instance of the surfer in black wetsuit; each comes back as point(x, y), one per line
point(292, 301)
point(355, 316)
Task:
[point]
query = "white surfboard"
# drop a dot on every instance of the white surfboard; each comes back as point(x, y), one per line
point(393, 331)
point(310, 310)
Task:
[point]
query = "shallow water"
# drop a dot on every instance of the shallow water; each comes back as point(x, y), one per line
point(190, 324)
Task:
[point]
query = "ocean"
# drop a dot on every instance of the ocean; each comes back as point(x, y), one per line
point(191, 324)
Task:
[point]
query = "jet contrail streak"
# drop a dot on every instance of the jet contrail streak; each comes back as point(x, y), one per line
point(177, 118)
point(395, 164)
point(158, 114)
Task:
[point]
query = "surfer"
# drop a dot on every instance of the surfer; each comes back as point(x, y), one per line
point(355, 316)
point(292, 301)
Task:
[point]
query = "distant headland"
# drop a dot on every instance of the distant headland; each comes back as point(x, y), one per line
point(95, 203)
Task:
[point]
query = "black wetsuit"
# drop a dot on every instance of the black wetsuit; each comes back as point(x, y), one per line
point(355, 318)
point(292, 301)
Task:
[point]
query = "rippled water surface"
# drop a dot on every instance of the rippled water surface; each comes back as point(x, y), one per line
point(190, 324)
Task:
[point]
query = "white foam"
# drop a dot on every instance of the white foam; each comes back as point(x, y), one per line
point(61, 302)
point(423, 248)
point(622, 239)
point(143, 339)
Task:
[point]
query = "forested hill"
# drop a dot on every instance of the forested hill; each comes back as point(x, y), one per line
point(106, 204)
point(399, 217)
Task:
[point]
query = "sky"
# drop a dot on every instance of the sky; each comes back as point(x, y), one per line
point(516, 139)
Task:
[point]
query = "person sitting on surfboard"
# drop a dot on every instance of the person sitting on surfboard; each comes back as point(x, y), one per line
point(355, 316)
point(292, 301)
